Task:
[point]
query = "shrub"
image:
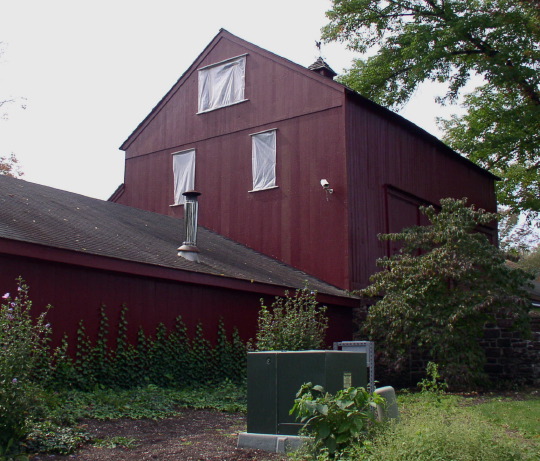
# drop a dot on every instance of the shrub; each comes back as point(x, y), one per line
point(337, 421)
point(295, 322)
point(22, 345)
point(438, 292)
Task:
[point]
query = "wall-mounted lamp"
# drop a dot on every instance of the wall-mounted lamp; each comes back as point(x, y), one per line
point(326, 186)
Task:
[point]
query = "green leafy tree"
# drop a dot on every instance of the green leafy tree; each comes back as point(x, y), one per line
point(517, 237)
point(449, 41)
point(530, 261)
point(437, 293)
point(500, 132)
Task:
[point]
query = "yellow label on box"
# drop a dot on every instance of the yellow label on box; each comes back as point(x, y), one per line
point(347, 380)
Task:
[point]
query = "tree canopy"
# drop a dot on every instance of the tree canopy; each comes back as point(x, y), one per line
point(437, 293)
point(449, 41)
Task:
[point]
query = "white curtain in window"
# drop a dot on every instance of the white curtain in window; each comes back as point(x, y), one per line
point(222, 84)
point(184, 174)
point(264, 160)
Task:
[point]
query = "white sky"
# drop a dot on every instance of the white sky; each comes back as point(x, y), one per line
point(90, 71)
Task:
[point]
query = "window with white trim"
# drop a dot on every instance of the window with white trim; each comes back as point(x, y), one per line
point(184, 174)
point(263, 157)
point(222, 84)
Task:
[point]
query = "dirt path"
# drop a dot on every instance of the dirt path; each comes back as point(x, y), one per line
point(192, 435)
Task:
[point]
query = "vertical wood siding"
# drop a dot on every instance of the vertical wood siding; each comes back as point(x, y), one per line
point(385, 157)
point(295, 222)
point(321, 133)
point(77, 293)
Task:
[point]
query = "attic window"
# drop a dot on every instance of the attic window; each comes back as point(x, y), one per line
point(263, 157)
point(222, 84)
point(184, 174)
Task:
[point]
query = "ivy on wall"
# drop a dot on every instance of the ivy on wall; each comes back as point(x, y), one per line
point(166, 357)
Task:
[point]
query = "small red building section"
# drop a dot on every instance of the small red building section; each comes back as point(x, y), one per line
point(78, 254)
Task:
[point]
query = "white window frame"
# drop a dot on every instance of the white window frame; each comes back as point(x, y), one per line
point(263, 160)
point(222, 84)
point(184, 174)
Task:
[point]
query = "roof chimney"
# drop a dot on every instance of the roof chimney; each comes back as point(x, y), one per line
point(189, 248)
point(322, 68)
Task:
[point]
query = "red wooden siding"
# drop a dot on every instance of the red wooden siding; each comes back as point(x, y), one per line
point(77, 293)
point(323, 131)
point(391, 172)
point(274, 92)
point(294, 223)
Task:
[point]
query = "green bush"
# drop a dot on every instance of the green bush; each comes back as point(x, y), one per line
point(437, 293)
point(23, 342)
point(293, 323)
point(336, 422)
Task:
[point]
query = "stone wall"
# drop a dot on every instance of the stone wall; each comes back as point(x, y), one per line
point(509, 355)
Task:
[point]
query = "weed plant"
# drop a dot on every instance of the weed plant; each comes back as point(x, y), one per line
point(48, 437)
point(336, 421)
point(22, 346)
point(293, 323)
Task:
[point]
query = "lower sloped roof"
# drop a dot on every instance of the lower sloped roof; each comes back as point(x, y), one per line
point(42, 215)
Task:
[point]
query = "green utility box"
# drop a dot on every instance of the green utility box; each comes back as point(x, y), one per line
point(274, 378)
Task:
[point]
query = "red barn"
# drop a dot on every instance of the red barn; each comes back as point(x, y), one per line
point(298, 175)
point(259, 135)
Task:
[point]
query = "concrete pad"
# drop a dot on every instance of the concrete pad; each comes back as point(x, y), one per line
point(273, 443)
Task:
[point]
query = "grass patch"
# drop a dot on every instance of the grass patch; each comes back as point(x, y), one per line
point(522, 416)
point(442, 427)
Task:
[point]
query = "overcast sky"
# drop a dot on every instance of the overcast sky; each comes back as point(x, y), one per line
point(90, 71)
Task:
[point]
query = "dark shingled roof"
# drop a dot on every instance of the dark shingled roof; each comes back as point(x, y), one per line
point(321, 66)
point(46, 216)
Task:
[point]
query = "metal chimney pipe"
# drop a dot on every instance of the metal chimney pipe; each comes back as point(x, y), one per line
point(189, 248)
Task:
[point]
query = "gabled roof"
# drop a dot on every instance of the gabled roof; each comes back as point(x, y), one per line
point(413, 128)
point(52, 218)
point(252, 48)
point(310, 72)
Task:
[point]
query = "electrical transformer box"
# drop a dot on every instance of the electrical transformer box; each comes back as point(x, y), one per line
point(275, 377)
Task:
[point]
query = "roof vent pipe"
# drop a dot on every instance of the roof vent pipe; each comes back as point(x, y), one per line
point(189, 248)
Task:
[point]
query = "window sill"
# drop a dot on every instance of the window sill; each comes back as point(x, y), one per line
point(221, 107)
point(176, 204)
point(261, 190)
